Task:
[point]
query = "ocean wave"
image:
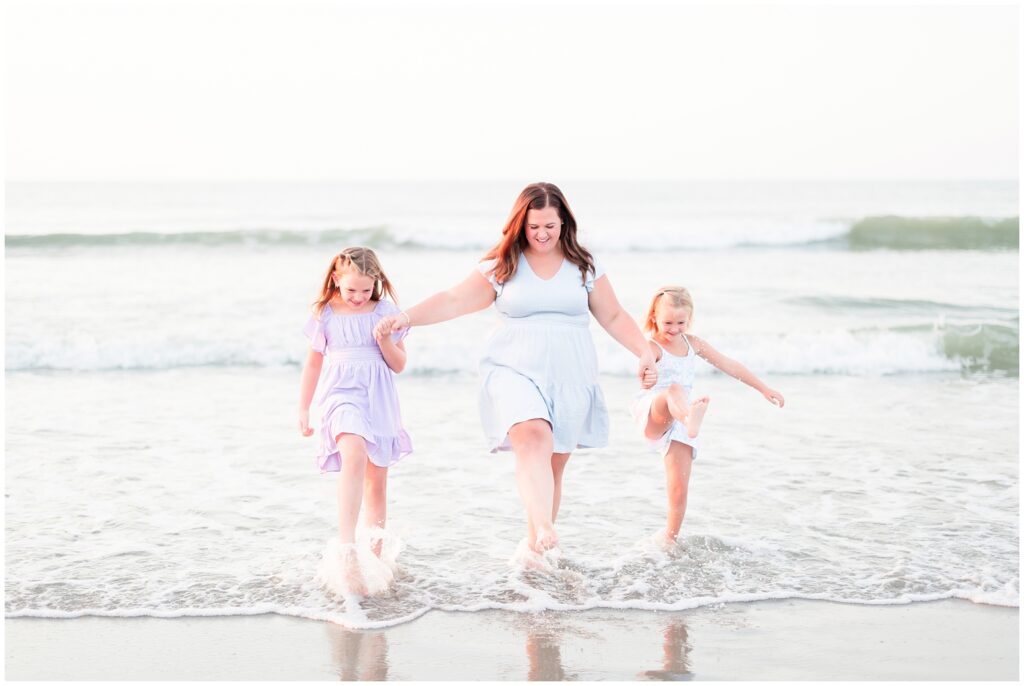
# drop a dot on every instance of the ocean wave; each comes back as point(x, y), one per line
point(933, 233)
point(870, 233)
point(912, 306)
point(377, 237)
point(991, 347)
point(538, 603)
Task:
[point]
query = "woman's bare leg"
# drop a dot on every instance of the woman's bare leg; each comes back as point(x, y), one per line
point(532, 443)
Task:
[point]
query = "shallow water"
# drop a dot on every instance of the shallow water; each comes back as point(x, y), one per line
point(154, 468)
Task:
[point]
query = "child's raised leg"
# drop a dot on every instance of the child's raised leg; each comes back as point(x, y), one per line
point(696, 418)
point(375, 503)
point(673, 403)
point(678, 461)
point(670, 404)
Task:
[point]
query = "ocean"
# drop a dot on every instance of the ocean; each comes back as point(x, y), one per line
point(153, 351)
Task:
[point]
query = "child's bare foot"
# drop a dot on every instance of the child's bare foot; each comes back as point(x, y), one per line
point(546, 539)
point(678, 403)
point(377, 541)
point(665, 541)
point(697, 410)
point(351, 570)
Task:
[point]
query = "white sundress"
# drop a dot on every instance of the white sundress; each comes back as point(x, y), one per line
point(678, 369)
point(540, 362)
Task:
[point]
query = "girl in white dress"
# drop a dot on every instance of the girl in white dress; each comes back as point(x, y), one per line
point(667, 414)
point(539, 395)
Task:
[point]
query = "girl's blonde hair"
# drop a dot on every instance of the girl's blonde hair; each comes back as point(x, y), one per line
point(361, 261)
point(677, 296)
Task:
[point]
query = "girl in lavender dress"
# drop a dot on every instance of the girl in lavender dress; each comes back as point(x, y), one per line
point(361, 432)
point(539, 396)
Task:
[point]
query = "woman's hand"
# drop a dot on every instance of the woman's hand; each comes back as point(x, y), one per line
point(648, 370)
point(304, 423)
point(774, 397)
point(388, 325)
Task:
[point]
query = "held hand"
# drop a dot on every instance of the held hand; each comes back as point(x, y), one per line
point(304, 423)
point(774, 397)
point(648, 371)
point(388, 325)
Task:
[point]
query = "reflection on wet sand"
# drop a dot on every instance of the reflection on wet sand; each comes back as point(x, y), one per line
point(675, 656)
point(545, 656)
point(359, 655)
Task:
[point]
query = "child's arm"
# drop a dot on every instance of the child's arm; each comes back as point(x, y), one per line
point(735, 370)
point(310, 375)
point(394, 353)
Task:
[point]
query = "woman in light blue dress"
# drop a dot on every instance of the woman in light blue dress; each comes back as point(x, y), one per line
point(539, 395)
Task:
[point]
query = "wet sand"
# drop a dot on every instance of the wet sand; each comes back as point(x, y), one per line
point(772, 640)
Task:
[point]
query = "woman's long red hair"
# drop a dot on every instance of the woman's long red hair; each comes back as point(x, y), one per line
point(537, 196)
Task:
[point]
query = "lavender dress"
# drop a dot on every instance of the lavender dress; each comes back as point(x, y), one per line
point(357, 392)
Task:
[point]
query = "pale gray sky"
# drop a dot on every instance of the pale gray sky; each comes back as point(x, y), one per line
point(298, 90)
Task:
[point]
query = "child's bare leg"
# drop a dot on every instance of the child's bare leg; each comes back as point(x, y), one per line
point(350, 496)
point(350, 483)
point(678, 402)
point(670, 404)
point(375, 501)
point(532, 443)
point(696, 418)
point(678, 461)
point(558, 462)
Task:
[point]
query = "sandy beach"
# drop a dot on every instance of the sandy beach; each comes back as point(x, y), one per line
point(785, 639)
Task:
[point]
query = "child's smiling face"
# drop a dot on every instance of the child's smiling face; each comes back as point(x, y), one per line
point(672, 320)
point(355, 289)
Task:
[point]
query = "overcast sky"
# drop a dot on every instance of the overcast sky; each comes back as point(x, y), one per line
point(302, 90)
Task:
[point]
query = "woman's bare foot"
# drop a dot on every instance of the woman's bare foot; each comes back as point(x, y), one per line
point(697, 410)
point(546, 538)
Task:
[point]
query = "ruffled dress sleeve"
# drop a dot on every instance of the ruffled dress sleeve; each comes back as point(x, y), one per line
point(485, 268)
point(316, 331)
point(389, 309)
point(593, 276)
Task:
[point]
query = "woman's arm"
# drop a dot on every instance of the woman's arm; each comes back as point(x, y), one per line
point(735, 370)
point(310, 375)
point(615, 320)
point(620, 326)
point(394, 353)
point(472, 295)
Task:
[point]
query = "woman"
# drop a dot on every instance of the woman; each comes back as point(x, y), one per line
point(539, 395)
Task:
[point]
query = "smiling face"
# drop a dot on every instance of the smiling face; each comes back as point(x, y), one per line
point(355, 289)
point(543, 229)
point(672, 321)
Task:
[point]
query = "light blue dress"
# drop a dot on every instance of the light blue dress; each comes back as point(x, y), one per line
point(678, 369)
point(540, 362)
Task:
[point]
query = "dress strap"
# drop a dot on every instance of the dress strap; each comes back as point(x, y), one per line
point(689, 348)
point(659, 348)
